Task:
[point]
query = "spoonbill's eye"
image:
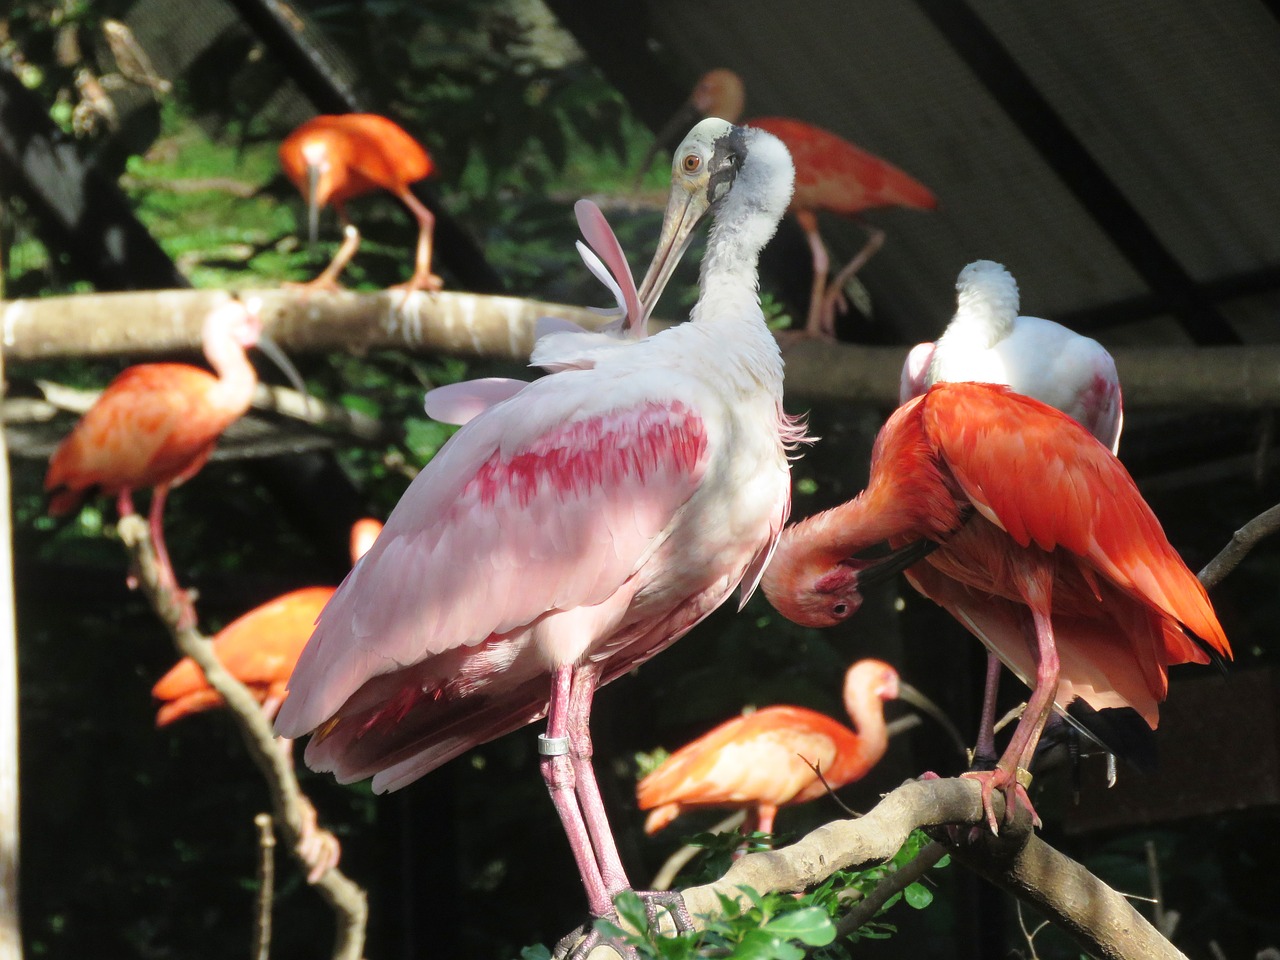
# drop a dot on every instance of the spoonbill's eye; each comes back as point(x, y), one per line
point(840, 609)
point(692, 163)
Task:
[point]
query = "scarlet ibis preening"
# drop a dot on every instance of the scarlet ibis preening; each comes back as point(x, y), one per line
point(333, 158)
point(567, 534)
point(258, 648)
point(988, 342)
point(832, 174)
point(156, 424)
point(1041, 545)
point(775, 756)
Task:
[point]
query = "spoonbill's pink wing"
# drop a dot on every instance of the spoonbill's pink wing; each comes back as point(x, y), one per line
point(545, 505)
point(458, 403)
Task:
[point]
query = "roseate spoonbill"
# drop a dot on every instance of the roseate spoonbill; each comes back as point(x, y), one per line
point(776, 756)
point(1034, 536)
point(987, 342)
point(567, 534)
point(259, 648)
point(333, 158)
point(832, 174)
point(156, 424)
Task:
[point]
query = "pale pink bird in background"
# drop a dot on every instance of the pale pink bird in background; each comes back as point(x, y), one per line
point(567, 534)
point(988, 342)
point(832, 174)
point(775, 756)
point(1029, 532)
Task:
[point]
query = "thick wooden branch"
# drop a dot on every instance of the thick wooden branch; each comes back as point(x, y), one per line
point(346, 898)
point(1100, 920)
point(472, 325)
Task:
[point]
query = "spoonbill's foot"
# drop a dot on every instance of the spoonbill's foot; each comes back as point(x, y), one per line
point(319, 849)
point(1014, 786)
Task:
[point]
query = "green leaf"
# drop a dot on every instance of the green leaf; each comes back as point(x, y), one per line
point(810, 926)
point(631, 910)
point(538, 951)
point(763, 945)
point(918, 896)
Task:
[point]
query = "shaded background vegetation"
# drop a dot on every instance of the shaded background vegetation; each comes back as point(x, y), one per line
point(138, 843)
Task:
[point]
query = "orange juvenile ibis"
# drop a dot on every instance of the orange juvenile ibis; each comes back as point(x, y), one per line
point(258, 648)
point(569, 533)
point(832, 174)
point(156, 424)
point(332, 158)
point(1019, 523)
point(775, 756)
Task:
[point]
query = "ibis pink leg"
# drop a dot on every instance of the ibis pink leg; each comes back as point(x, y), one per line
point(834, 299)
point(984, 751)
point(423, 278)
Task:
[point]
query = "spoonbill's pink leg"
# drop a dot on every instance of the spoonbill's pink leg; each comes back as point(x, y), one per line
point(558, 772)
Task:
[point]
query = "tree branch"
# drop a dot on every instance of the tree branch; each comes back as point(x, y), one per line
point(501, 328)
point(1098, 918)
point(345, 897)
point(1242, 541)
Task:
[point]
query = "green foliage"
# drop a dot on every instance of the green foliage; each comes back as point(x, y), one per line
point(769, 927)
point(772, 926)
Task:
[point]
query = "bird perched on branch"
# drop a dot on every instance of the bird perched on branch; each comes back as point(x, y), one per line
point(156, 424)
point(832, 174)
point(567, 534)
point(333, 158)
point(986, 341)
point(1031, 533)
point(775, 756)
point(258, 648)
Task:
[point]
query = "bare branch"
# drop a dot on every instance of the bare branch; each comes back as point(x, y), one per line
point(266, 885)
point(1098, 918)
point(1242, 541)
point(900, 879)
point(347, 899)
point(473, 325)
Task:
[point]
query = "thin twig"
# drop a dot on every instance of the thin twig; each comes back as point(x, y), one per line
point(266, 885)
point(898, 880)
point(346, 898)
point(672, 866)
point(1242, 541)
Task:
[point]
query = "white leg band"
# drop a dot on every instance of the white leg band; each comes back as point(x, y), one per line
point(552, 746)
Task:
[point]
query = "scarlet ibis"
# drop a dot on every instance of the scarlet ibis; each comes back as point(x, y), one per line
point(832, 174)
point(776, 756)
point(259, 648)
point(1041, 545)
point(567, 534)
point(987, 342)
point(333, 158)
point(156, 424)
